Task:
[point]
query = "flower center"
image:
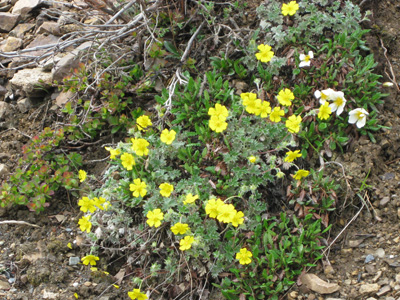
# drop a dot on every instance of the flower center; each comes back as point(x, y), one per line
point(307, 58)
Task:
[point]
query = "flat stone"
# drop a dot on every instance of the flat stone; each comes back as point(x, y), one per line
point(11, 44)
point(24, 105)
point(74, 260)
point(380, 253)
point(70, 61)
point(4, 285)
point(41, 40)
point(316, 284)
point(370, 288)
point(23, 7)
point(33, 82)
point(384, 290)
point(384, 201)
point(8, 21)
point(4, 170)
point(21, 29)
point(5, 109)
point(49, 27)
point(64, 97)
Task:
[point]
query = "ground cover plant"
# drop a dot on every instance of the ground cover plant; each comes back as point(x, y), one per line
point(196, 187)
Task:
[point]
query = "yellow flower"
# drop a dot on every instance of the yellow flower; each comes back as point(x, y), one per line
point(265, 54)
point(85, 224)
point(113, 152)
point(237, 219)
point(116, 286)
point(324, 111)
point(212, 207)
point(155, 217)
point(300, 174)
point(99, 202)
point(217, 125)
point(180, 228)
point(290, 9)
point(276, 114)
point(89, 259)
point(143, 122)
point(244, 256)
point(166, 189)
point(265, 109)
point(138, 187)
point(136, 294)
point(252, 104)
point(82, 175)
point(252, 159)
point(167, 136)
point(86, 204)
point(186, 243)
point(285, 97)
point(140, 146)
point(292, 155)
point(293, 124)
point(69, 245)
point(76, 295)
point(93, 269)
point(190, 198)
point(219, 111)
point(226, 213)
point(127, 161)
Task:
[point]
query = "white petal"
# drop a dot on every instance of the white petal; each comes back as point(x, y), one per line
point(361, 122)
point(352, 118)
point(322, 101)
point(304, 64)
point(339, 110)
point(310, 54)
point(317, 94)
point(333, 107)
point(302, 57)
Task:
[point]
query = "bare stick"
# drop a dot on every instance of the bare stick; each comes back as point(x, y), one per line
point(393, 78)
point(19, 223)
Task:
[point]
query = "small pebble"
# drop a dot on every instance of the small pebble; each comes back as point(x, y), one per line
point(74, 260)
point(369, 258)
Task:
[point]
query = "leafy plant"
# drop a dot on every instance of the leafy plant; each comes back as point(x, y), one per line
point(41, 172)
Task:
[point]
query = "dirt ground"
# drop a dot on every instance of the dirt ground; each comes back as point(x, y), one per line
point(36, 261)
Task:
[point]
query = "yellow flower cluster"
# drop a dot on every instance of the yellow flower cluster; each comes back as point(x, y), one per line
point(218, 115)
point(225, 213)
point(86, 204)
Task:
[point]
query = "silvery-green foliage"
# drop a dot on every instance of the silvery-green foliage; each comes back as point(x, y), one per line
point(315, 20)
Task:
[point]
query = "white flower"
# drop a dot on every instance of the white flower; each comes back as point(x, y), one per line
point(338, 102)
point(324, 95)
point(305, 60)
point(387, 84)
point(358, 116)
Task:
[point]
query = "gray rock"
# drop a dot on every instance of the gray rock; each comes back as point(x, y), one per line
point(49, 27)
point(384, 290)
point(5, 109)
point(11, 44)
point(316, 284)
point(32, 82)
point(21, 29)
point(74, 260)
point(24, 105)
point(8, 21)
point(380, 253)
point(41, 40)
point(70, 61)
point(384, 201)
point(23, 7)
point(370, 288)
point(369, 258)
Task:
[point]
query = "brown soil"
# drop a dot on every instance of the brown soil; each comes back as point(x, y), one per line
point(36, 260)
